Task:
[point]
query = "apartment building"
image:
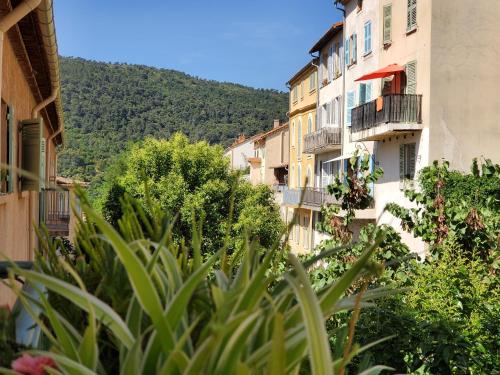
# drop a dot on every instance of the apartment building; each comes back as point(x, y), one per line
point(31, 128)
point(239, 152)
point(269, 165)
point(303, 101)
point(419, 87)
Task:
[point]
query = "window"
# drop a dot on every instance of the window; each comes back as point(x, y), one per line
point(309, 124)
point(411, 15)
point(337, 69)
point(309, 177)
point(299, 138)
point(350, 106)
point(297, 229)
point(305, 232)
point(387, 24)
point(411, 77)
point(301, 90)
point(365, 92)
point(294, 93)
point(353, 49)
point(407, 160)
point(299, 177)
point(7, 149)
point(330, 63)
point(368, 37)
point(292, 134)
point(312, 81)
point(292, 175)
point(346, 52)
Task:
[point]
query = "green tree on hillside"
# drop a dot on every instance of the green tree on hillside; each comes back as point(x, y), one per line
point(193, 178)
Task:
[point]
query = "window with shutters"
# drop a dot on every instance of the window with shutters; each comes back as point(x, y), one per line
point(411, 20)
point(299, 138)
point(354, 49)
point(330, 63)
point(365, 92)
point(309, 177)
point(292, 135)
point(305, 232)
point(294, 93)
point(407, 161)
point(312, 81)
point(302, 90)
point(309, 124)
point(411, 77)
point(368, 38)
point(349, 107)
point(299, 176)
point(7, 149)
point(346, 52)
point(387, 24)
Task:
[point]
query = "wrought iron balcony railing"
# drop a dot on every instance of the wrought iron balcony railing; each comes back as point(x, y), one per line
point(55, 211)
point(315, 197)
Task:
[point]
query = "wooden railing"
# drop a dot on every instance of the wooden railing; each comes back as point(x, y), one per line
point(396, 108)
point(312, 197)
point(55, 211)
point(322, 138)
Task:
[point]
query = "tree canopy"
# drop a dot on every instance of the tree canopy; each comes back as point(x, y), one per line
point(189, 179)
point(107, 106)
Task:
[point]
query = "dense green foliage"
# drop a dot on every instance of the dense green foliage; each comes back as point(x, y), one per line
point(167, 311)
point(450, 203)
point(108, 105)
point(186, 179)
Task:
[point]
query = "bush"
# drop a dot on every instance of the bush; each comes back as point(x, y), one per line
point(166, 310)
point(445, 322)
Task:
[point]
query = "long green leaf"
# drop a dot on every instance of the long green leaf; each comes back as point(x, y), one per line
point(142, 284)
point(277, 355)
point(69, 365)
point(104, 313)
point(317, 339)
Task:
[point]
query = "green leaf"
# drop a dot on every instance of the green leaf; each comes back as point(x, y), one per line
point(375, 370)
point(317, 339)
point(277, 353)
point(104, 313)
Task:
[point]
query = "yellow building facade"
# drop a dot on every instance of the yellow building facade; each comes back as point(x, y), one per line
point(303, 99)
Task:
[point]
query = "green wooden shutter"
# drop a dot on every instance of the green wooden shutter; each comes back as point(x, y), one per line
point(387, 25)
point(401, 163)
point(362, 93)
point(31, 151)
point(354, 48)
point(411, 16)
point(11, 149)
point(411, 152)
point(411, 77)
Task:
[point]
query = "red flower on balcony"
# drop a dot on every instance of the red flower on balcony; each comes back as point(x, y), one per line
point(28, 365)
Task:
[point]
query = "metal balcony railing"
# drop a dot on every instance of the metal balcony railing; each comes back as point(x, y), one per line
point(315, 197)
point(55, 211)
point(322, 139)
point(395, 108)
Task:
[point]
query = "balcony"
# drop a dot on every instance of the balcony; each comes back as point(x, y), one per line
point(313, 198)
point(55, 211)
point(388, 115)
point(323, 140)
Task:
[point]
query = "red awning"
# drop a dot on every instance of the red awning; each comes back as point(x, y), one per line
point(389, 70)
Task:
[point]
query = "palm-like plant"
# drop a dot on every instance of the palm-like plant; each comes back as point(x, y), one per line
point(190, 316)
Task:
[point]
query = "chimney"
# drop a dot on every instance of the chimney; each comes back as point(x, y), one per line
point(276, 123)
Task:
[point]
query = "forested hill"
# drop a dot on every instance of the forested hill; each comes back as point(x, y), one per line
point(108, 105)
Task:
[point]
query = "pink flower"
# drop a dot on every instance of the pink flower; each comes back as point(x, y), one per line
point(28, 365)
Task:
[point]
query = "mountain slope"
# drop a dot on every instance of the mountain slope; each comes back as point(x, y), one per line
point(108, 105)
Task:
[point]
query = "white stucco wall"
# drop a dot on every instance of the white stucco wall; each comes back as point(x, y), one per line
point(238, 154)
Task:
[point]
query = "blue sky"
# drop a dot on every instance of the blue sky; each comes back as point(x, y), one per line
point(258, 43)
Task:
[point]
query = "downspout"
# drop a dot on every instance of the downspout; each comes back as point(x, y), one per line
point(342, 113)
point(317, 105)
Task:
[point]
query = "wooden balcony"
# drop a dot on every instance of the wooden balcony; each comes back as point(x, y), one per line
point(396, 114)
point(313, 198)
point(323, 140)
point(55, 211)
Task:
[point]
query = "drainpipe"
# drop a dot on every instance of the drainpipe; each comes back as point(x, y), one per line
point(18, 13)
point(317, 104)
point(12, 18)
point(344, 68)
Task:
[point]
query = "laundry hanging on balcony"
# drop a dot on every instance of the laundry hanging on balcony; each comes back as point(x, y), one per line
point(389, 70)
